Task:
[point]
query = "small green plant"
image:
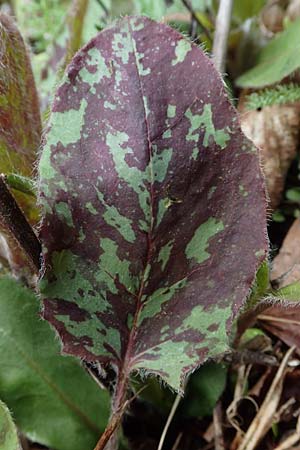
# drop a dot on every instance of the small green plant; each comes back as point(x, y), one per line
point(279, 95)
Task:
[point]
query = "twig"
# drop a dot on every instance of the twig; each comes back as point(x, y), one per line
point(246, 356)
point(217, 420)
point(177, 442)
point(23, 441)
point(256, 389)
point(231, 411)
point(264, 418)
point(278, 319)
point(168, 422)
point(94, 373)
point(111, 428)
point(283, 409)
point(221, 34)
point(193, 29)
point(241, 382)
point(291, 440)
point(115, 422)
point(13, 220)
point(189, 6)
point(232, 415)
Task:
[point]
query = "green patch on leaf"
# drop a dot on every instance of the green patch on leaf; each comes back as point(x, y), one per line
point(205, 120)
point(197, 247)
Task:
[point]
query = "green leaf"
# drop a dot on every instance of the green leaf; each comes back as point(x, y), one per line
point(277, 60)
point(8, 432)
point(278, 216)
point(249, 335)
point(54, 401)
point(260, 286)
point(296, 213)
point(154, 392)
point(21, 184)
point(291, 292)
point(204, 389)
point(293, 194)
point(160, 8)
point(243, 9)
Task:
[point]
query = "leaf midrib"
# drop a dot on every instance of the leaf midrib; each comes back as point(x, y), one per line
point(40, 372)
point(265, 63)
point(133, 331)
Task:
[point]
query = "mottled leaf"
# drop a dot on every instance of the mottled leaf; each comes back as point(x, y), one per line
point(277, 60)
point(14, 221)
point(8, 433)
point(20, 126)
point(153, 202)
point(53, 400)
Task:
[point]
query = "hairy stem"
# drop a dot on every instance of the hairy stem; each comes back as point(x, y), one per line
point(15, 223)
point(108, 439)
point(109, 432)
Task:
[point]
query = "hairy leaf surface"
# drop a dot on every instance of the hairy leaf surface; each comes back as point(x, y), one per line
point(20, 127)
point(20, 124)
point(154, 206)
point(53, 400)
point(8, 432)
